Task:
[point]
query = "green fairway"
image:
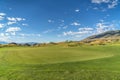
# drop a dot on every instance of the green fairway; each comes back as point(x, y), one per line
point(60, 63)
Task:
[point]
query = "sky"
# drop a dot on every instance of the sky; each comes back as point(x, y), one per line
point(56, 20)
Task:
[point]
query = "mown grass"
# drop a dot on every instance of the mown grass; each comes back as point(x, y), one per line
point(60, 63)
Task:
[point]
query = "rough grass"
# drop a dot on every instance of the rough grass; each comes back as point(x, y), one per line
point(59, 63)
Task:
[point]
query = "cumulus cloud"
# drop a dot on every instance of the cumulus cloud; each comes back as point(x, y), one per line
point(86, 29)
point(1, 34)
point(50, 21)
point(13, 29)
point(77, 10)
point(80, 32)
point(71, 33)
point(20, 19)
point(10, 23)
point(25, 24)
point(2, 25)
point(110, 3)
point(15, 19)
point(2, 16)
point(75, 24)
point(113, 4)
point(26, 35)
point(48, 31)
point(103, 27)
point(11, 19)
point(100, 27)
point(65, 27)
point(8, 32)
point(100, 1)
point(4, 37)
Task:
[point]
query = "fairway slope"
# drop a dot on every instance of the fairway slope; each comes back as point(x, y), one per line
point(59, 63)
point(49, 55)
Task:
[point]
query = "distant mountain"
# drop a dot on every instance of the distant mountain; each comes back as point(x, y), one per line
point(2, 42)
point(32, 43)
point(109, 35)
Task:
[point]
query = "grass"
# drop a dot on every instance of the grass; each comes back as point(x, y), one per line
point(60, 63)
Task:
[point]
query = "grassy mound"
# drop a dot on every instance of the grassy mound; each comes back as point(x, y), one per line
point(60, 63)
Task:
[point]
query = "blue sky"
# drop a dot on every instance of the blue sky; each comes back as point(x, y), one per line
point(56, 20)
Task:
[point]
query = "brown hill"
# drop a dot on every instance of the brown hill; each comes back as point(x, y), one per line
point(106, 37)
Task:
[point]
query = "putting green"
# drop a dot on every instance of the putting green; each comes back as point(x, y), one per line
point(45, 55)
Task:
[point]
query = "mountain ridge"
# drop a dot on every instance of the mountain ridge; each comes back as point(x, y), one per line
point(106, 35)
point(103, 38)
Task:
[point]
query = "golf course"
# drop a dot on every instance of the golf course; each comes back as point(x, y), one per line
point(59, 39)
point(98, 62)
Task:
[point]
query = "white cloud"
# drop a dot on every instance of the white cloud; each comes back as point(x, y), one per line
point(113, 4)
point(1, 34)
point(22, 34)
point(59, 35)
point(10, 23)
point(1, 17)
point(77, 10)
point(25, 24)
point(71, 33)
point(4, 37)
point(65, 27)
point(96, 8)
point(13, 29)
point(86, 29)
point(7, 34)
point(10, 8)
point(2, 14)
point(50, 21)
point(103, 27)
point(110, 3)
point(20, 19)
point(75, 24)
point(1, 25)
point(26, 35)
point(100, 1)
point(13, 33)
point(48, 31)
point(63, 21)
point(80, 32)
point(13, 19)
point(38, 35)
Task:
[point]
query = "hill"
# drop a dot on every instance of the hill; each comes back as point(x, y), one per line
point(2, 42)
point(109, 34)
point(106, 37)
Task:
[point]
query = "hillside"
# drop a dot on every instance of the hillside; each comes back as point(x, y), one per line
point(108, 34)
point(3, 42)
point(106, 37)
